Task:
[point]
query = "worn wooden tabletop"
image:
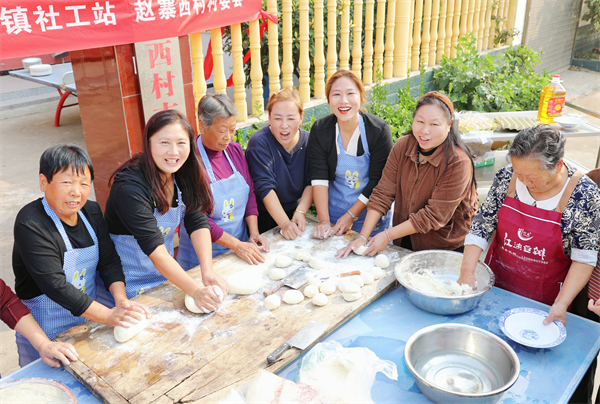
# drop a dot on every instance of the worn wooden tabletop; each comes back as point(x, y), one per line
point(194, 358)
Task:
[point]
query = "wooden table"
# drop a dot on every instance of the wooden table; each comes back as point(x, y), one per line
point(186, 357)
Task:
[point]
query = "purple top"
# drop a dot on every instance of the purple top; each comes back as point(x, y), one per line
point(222, 170)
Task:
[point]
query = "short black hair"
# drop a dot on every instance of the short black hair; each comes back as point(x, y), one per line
point(60, 157)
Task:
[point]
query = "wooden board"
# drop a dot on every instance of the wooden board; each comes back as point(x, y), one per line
point(193, 358)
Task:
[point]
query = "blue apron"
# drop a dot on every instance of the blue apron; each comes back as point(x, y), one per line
point(351, 177)
point(80, 269)
point(230, 197)
point(140, 273)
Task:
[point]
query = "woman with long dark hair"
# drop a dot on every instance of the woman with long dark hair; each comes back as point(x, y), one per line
point(151, 196)
point(430, 176)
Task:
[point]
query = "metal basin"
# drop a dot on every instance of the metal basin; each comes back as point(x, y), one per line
point(457, 363)
point(445, 265)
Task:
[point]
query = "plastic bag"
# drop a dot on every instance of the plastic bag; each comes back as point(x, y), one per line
point(343, 375)
point(269, 388)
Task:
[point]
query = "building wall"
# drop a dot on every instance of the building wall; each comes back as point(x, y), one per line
point(551, 26)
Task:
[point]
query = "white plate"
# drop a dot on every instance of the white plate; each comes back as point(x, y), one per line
point(525, 326)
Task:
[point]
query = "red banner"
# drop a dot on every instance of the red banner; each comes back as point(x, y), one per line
point(35, 27)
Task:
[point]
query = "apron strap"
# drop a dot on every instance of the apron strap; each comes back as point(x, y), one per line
point(568, 191)
point(512, 187)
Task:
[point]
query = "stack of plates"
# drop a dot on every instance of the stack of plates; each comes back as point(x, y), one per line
point(40, 70)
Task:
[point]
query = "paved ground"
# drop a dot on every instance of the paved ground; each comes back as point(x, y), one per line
point(27, 131)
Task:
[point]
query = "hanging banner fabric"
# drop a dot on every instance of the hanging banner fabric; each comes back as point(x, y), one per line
point(36, 27)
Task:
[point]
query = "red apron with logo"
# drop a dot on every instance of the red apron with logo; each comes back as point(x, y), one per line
point(527, 253)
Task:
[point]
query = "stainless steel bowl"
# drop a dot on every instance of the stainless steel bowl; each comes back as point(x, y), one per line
point(457, 363)
point(445, 265)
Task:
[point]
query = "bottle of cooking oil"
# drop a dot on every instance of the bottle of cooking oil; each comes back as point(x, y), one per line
point(552, 101)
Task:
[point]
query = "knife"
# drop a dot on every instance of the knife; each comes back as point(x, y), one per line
point(294, 280)
point(306, 336)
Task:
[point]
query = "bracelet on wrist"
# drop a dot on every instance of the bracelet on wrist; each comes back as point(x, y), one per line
point(388, 235)
point(352, 215)
point(299, 211)
point(360, 235)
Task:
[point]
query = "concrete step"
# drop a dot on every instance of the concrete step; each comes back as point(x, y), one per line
point(27, 100)
point(28, 92)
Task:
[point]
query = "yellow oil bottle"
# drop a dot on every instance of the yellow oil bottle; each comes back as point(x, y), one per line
point(552, 101)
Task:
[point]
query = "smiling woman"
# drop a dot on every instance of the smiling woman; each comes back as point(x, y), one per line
point(152, 195)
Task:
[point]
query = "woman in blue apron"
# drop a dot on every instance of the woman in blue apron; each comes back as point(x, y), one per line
point(61, 244)
point(233, 220)
point(152, 196)
point(348, 150)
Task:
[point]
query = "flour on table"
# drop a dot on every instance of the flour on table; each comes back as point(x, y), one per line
point(428, 283)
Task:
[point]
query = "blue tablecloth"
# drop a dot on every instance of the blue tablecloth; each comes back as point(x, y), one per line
point(547, 375)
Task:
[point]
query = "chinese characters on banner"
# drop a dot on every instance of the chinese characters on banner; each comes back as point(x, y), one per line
point(35, 27)
point(160, 75)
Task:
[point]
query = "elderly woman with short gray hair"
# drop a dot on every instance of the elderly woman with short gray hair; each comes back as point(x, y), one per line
point(546, 219)
point(234, 219)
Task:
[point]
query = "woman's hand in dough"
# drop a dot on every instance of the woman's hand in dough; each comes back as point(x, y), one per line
point(290, 230)
point(300, 220)
point(210, 277)
point(133, 306)
point(207, 298)
point(249, 253)
point(260, 241)
point(594, 307)
point(377, 244)
point(354, 244)
point(322, 231)
point(467, 279)
point(50, 351)
point(123, 317)
point(343, 224)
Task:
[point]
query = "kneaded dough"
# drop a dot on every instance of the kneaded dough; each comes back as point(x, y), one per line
point(368, 278)
point(377, 272)
point(302, 256)
point(123, 334)
point(320, 299)
point(328, 287)
point(358, 280)
point(316, 264)
point(382, 261)
point(347, 286)
point(276, 274)
point(245, 282)
point(190, 303)
point(350, 297)
point(272, 302)
point(314, 281)
point(293, 297)
point(283, 261)
point(311, 291)
point(360, 250)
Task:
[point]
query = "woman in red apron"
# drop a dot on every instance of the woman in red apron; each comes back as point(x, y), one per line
point(546, 218)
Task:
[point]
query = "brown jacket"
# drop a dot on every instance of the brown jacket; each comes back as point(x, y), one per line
point(439, 201)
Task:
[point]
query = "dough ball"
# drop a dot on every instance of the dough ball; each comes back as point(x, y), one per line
point(283, 261)
point(320, 299)
point(382, 261)
point(302, 256)
point(377, 272)
point(276, 274)
point(123, 334)
point(367, 278)
point(360, 250)
point(310, 291)
point(245, 282)
point(316, 264)
point(314, 281)
point(328, 287)
point(358, 280)
point(190, 303)
point(293, 297)
point(347, 286)
point(272, 302)
point(350, 297)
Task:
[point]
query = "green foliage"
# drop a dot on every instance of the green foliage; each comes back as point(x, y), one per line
point(483, 83)
point(503, 35)
point(399, 115)
point(309, 125)
point(593, 14)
